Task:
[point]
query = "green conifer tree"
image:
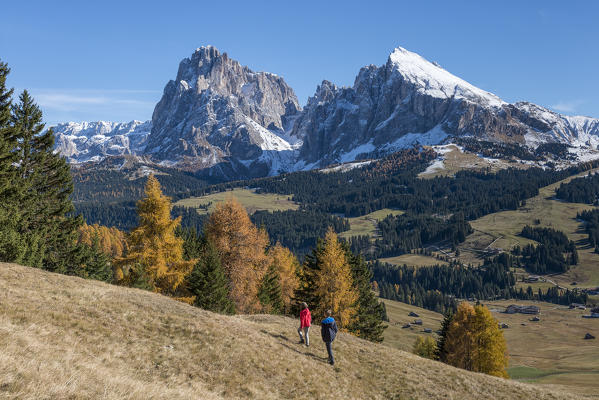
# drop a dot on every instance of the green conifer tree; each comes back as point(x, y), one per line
point(307, 276)
point(269, 293)
point(208, 282)
point(44, 196)
point(441, 353)
point(368, 323)
point(12, 245)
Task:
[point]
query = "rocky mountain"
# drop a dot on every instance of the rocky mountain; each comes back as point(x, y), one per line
point(222, 119)
point(221, 115)
point(409, 101)
point(94, 141)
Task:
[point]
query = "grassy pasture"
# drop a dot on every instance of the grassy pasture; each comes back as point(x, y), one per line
point(367, 224)
point(500, 230)
point(68, 338)
point(251, 200)
point(551, 351)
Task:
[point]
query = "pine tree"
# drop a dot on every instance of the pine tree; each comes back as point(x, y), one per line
point(287, 268)
point(12, 246)
point(95, 263)
point(441, 353)
point(269, 293)
point(208, 283)
point(368, 322)
point(45, 188)
point(155, 253)
point(242, 248)
point(475, 342)
point(425, 347)
point(307, 274)
point(333, 283)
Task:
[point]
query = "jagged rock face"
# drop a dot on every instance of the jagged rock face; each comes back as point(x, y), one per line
point(218, 111)
point(410, 100)
point(93, 141)
point(220, 118)
point(405, 101)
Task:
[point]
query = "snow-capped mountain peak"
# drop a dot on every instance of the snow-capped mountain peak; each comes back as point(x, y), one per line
point(435, 81)
point(93, 141)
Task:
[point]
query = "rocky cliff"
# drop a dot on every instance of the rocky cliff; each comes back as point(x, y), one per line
point(222, 116)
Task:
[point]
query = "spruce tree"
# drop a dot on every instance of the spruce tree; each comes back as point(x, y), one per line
point(269, 293)
point(95, 263)
point(208, 282)
point(12, 246)
point(441, 353)
point(368, 323)
point(307, 274)
point(44, 189)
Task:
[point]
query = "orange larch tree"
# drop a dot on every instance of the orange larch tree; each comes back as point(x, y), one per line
point(242, 249)
point(333, 283)
point(286, 265)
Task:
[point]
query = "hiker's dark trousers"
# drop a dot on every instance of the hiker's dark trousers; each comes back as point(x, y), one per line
point(330, 351)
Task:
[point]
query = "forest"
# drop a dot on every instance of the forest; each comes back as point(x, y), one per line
point(591, 226)
point(439, 287)
point(548, 255)
point(580, 190)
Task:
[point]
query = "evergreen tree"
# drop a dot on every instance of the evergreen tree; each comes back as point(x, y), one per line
point(441, 353)
point(12, 246)
point(368, 322)
point(95, 263)
point(269, 293)
point(307, 274)
point(155, 253)
point(208, 282)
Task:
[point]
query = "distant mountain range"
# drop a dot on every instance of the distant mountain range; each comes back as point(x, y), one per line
point(222, 119)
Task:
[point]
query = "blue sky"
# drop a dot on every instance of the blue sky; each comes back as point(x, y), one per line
point(110, 60)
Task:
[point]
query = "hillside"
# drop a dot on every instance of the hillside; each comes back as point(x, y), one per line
point(501, 230)
point(64, 337)
point(549, 351)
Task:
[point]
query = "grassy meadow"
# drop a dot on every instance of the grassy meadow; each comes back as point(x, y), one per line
point(367, 224)
point(500, 230)
point(68, 338)
point(251, 200)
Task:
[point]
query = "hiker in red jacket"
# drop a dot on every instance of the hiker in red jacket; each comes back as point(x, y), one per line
point(305, 321)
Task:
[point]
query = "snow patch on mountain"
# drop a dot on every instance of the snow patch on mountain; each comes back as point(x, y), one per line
point(434, 81)
point(93, 141)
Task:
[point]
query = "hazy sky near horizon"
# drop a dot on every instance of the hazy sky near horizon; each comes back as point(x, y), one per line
point(110, 60)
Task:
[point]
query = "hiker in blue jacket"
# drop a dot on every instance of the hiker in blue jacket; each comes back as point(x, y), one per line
point(328, 330)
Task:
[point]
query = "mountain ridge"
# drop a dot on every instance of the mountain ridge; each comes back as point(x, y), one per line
point(221, 118)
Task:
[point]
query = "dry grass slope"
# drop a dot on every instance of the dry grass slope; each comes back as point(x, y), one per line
point(64, 337)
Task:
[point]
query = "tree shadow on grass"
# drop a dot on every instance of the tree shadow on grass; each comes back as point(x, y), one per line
point(294, 348)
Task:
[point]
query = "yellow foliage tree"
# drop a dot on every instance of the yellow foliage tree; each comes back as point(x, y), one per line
point(112, 241)
point(154, 248)
point(425, 347)
point(475, 342)
point(334, 283)
point(242, 248)
point(286, 265)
